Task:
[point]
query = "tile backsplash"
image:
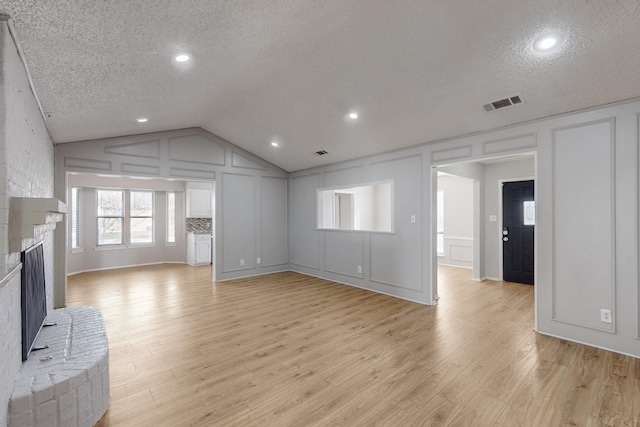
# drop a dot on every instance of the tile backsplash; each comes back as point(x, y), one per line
point(198, 225)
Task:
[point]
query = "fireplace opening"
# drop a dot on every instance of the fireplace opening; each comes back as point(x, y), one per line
point(33, 297)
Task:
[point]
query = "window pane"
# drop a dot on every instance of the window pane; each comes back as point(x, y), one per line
point(440, 243)
point(171, 217)
point(110, 203)
point(141, 203)
point(110, 231)
point(529, 213)
point(75, 218)
point(141, 230)
point(440, 211)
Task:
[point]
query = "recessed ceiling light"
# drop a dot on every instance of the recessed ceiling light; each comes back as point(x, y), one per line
point(546, 42)
point(142, 120)
point(182, 57)
point(353, 115)
point(274, 144)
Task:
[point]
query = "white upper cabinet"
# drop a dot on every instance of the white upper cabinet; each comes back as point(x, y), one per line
point(199, 203)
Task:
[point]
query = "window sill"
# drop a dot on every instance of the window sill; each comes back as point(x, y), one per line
point(141, 245)
point(129, 246)
point(110, 247)
point(350, 230)
point(77, 250)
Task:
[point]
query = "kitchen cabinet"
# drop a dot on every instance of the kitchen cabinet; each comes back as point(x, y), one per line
point(199, 203)
point(198, 249)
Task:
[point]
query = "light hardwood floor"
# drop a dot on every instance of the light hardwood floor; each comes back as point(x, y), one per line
point(290, 350)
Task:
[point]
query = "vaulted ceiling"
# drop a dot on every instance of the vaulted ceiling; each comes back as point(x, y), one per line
point(291, 71)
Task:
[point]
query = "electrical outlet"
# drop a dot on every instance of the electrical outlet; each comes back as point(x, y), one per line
point(413, 219)
point(241, 262)
point(258, 261)
point(359, 269)
point(605, 315)
point(493, 218)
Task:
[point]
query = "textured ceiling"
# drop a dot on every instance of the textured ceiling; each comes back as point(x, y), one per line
point(415, 71)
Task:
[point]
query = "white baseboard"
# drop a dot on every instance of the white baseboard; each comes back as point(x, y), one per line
point(125, 266)
point(467, 267)
point(635, 356)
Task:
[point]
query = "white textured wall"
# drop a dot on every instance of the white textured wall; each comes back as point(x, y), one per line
point(26, 169)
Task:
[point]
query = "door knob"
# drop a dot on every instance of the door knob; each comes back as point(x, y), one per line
point(505, 239)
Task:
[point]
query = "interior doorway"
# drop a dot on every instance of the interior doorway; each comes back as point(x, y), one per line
point(488, 176)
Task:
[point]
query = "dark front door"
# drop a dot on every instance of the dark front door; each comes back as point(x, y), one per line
point(518, 223)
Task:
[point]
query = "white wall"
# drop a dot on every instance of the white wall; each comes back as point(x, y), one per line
point(248, 189)
point(391, 263)
point(90, 257)
point(26, 170)
point(567, 305)
point(475, 172)
point(458, 220)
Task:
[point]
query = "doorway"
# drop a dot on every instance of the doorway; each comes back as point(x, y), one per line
point(344, 211)
point(488, 176)
point(518, 228)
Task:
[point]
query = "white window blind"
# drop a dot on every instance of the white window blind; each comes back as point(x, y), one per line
point(75, 218)
point(110, 217)
point(171, 217)
point(440, 223)
point(141, 218)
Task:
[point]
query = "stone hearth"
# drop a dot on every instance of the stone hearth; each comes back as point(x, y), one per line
point(66, 384)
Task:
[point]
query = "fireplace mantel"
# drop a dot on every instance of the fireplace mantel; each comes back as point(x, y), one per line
point(30, 218)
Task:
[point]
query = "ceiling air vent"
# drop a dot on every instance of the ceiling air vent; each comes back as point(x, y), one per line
point(502, 103)
point(321, 152)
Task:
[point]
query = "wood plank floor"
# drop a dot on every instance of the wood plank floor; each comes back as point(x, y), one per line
point(290, 350)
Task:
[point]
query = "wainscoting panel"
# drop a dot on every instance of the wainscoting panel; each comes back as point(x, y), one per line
point(239, 219)
point(515, 143)
point(343, 253)
point(189, 148)
point(343, 177)
point(451, 154)
point(140, 169)
point(274, 221)
point(146, 149)
point(395, 259)
point(584, 195)
point(303, 237)
point(87, 164)
point(240, 161)
point(458, 252)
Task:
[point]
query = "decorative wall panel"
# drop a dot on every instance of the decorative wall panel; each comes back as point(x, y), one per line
point(515, 143)
point(239, 161)
point(148, 149)
point(196, 149)
point(584, 224)
point(451, 154)
point(88, 164)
